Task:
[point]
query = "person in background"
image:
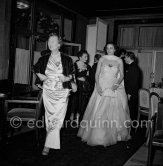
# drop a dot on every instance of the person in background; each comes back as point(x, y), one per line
point(132, 84)
point(94, 67)
point(83, 80)
point(121, 53)
point(54, 72)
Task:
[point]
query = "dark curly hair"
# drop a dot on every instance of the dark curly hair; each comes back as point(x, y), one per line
point(81, 52)
point(131, 55)
point(115, 47)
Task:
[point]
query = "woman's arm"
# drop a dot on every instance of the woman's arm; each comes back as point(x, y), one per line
point(71, 72)
point(37, 68)
point(116, 85)
point(121, 72)
point(99, 90)
point(42, 77)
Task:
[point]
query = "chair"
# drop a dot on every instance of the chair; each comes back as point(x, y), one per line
point(155, 133)
point(25, 109)
point(20, 90)
point(144, 104)
point(5, 86)
point(154, 100)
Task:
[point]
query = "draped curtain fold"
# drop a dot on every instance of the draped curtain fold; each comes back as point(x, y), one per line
point(22, 66)
point(145, 59)
point(127, 37)
point(67, 29)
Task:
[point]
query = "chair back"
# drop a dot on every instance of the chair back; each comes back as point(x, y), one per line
point(155, 134)
point(21, 89)
point(26, 107)
point(144, 98)
point(154, 100)
point(159, 118)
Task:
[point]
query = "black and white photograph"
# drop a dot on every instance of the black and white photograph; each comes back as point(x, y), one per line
point(81, 83)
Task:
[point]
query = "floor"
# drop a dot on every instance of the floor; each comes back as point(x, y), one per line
point(21, 150)
point(141, 155)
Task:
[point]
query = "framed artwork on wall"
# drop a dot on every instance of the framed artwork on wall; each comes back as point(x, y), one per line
point(71, 49)
point(67, 33)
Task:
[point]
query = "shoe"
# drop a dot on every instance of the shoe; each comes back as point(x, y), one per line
point(45, 151)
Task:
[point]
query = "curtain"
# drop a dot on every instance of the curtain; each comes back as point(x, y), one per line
point(151, 36)
point(67, 29)
point(22, 66)
point(145, 62)
point(127, 37)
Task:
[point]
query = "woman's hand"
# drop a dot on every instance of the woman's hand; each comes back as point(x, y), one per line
point(42, 77)
point(65, 78)
point(99, 90)
point(129, 96)
point(114, 87)
point(81, 78)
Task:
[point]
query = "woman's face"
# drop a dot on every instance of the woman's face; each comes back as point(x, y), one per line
point(53, 43)
point(110, 49)
point(84, 58)
point(127, 59)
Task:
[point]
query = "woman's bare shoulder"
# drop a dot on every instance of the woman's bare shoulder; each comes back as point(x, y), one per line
point(101, 59)
point(119, 60)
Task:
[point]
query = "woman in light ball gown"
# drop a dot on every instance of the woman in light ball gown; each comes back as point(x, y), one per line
point(106, 119)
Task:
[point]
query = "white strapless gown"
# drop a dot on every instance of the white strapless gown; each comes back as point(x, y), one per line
point(106, 119)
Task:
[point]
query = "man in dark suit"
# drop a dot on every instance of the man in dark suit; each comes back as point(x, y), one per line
point(132, 84)
point(94, 67)
point(121, 53)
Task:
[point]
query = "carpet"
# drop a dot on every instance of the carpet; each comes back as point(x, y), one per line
point(139, 158)
point(21, 150)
